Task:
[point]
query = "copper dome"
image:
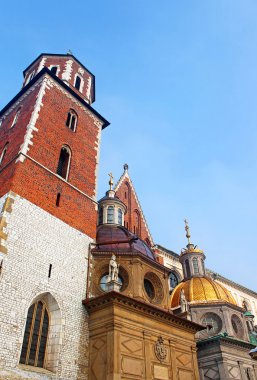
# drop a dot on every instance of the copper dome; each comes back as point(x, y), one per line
point(113, 238)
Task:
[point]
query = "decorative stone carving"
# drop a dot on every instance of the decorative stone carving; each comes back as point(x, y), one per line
point(113, 277)
point(113, 269)
point(160, 349)
point(183, 302)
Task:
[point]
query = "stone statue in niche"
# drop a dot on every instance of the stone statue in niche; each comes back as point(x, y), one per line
point(183, 302)
point(113, 269)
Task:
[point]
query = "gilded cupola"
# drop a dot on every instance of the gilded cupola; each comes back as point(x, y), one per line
point(196, 286)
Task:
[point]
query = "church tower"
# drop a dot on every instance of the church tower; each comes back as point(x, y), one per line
point(49, 154)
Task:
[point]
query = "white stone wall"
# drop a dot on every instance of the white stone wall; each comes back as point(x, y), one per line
point(35, 240)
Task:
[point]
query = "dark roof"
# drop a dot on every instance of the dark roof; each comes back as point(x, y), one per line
point(112, 237)
point(59, 81)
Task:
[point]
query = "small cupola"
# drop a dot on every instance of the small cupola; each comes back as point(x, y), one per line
point(192, 258)
point(111, 209)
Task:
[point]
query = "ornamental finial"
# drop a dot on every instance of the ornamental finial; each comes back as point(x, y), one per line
point(187, 231)
point(111, 180)
point(69, 52)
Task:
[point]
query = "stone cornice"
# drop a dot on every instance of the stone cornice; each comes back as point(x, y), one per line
point(118, 299)
point(226, 340)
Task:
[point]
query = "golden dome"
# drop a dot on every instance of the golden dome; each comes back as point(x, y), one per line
point(201, 290)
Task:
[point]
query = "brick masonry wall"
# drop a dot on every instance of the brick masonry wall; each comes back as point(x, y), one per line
point(41, 134)
point(68, 68)
point(36, 239)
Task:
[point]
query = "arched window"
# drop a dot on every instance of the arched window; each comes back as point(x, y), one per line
point(77, 82)
point(35, 336)
point(101, 214)
point(195, 265)
point(203, 268)
point(14, 122)
point(119, 216)
point(110, 214)
point(64, 162)
point(187, 267)
point(3, 153)
point(54, 69)
point(71, 121)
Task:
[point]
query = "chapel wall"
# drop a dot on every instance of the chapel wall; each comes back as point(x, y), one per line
point(33, 239)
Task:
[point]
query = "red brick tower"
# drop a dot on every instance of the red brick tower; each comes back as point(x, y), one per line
point(49, 141)
point(49, 153)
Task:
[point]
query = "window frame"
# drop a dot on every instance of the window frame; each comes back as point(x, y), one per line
point(80, 89)
point(72, 114)
point(16, 117)
point(68, 150)
point(31, 333)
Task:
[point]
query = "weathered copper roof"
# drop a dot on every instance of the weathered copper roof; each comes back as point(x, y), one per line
point(112, 237)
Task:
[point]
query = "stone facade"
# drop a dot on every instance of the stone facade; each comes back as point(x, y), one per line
point(36, 239)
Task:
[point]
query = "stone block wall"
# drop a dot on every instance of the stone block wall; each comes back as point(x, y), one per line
point(34, 239)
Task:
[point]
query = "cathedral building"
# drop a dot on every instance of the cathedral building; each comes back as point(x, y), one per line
point(84, 291)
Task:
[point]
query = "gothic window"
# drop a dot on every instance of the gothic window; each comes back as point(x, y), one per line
point(110, 214)
point(173, 280)
point(119, 216)
point(16, 117)
point(77, 82)
point(101, 214)
point(195, 265)
point(213, 323)
point(187, 267)
point(54, 69)
point(64, 162)
point(3, 153)
point(71, 121)
point(35, 336)
point(137, 222)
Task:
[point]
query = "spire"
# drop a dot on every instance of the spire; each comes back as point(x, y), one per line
point(111, 180)
point(187, 231)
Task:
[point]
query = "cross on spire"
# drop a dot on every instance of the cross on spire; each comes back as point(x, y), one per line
point(111, 180)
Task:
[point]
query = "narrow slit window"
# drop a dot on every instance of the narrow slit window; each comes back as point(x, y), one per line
point(64, 163)
point(110, 214)
point(119, 216)
point(50, 270)
point(58, 199)
point(195, 265)
point(78, 83)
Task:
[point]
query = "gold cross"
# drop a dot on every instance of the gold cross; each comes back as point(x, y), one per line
point(187, 231)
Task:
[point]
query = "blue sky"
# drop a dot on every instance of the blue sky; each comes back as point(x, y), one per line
point(178, 82)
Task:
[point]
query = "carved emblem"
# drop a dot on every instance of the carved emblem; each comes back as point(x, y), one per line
point(160, 349)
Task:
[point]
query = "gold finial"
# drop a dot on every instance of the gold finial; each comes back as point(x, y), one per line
point(187, 231)
point(111, 180)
